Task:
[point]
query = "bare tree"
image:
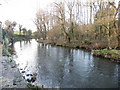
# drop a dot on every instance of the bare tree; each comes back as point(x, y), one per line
point(116, 11)
point(20, 29)
point(24, 31)
point(10, 30)
point(41, 22)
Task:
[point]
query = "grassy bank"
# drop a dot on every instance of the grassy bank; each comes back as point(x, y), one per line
point(113, 54)
point(21, 37)
point(85, 44)
point(66, 44)
point(96, 49)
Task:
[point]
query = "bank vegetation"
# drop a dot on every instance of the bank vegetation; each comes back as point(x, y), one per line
point(94, 24)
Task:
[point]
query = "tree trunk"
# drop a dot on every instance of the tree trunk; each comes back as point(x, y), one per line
point(118, 28)
point(91, 14)
point(108, 36)
point(118, 38)
point(69, 39)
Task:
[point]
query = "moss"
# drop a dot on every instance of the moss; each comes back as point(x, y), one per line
point(13, 66)
point(34, 87)
point(5, 52)
point(11, 59)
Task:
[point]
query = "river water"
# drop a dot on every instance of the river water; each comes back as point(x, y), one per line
point(64, 67)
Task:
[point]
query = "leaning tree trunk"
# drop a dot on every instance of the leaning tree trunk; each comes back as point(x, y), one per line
point(118, 37)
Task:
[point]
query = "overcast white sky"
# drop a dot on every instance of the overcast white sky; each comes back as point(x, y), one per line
point(21, 11)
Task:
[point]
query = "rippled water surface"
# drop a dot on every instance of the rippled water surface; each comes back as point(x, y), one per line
point(65, 67)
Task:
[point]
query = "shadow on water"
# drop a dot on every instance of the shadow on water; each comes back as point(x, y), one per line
point(65, 67)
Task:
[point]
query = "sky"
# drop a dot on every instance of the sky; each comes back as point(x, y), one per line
point(21, 11)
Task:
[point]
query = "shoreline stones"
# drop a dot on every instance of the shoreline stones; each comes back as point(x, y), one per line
point(30, 78)
point(11, 76)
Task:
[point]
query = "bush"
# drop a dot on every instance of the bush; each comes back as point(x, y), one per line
point(87, 42)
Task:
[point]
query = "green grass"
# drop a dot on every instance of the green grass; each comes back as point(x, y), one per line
point(17, 33)
point(111, 54)
point(107, 51)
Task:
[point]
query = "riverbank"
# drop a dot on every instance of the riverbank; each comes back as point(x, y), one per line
point(11, 77)
point(21, 37)
point(96, 48)
point(86, 44)
point(9, 73)
point(113, 55)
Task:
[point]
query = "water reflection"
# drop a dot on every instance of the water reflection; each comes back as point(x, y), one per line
point(26, 53)
point(64, 67)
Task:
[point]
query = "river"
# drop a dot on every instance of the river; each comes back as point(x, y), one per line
point(64, 67)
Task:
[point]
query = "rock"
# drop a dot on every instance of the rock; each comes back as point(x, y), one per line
point(6, 68)
point(21, 69)
point(7, 85)
point(31, 77)
point(23, 72)
point(3, 61)
point(11, 77)
point(14, 82)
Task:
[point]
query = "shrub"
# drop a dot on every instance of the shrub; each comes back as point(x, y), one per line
point(87, 42)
